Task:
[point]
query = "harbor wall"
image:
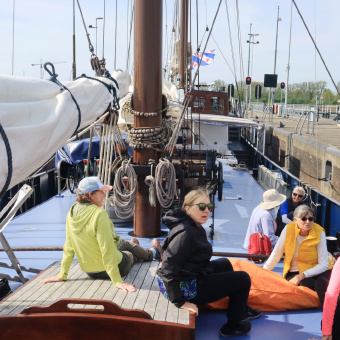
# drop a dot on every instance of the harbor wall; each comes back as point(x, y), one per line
point(309, 160)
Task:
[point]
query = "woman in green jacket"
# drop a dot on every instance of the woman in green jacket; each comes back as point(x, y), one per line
point(91, 237)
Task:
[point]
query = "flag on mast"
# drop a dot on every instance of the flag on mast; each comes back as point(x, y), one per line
point(207, 58)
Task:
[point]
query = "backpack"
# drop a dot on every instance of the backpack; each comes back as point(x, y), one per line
point(259, 244)
point(4, 288)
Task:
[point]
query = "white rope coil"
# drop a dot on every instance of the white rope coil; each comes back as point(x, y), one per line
point(151, 183)
point(124, 194)
point(165, 189)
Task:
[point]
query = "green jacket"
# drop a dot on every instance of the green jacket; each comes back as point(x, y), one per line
point(90, 235)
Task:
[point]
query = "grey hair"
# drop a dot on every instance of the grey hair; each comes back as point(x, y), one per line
point(297, 188)
point(303, 210)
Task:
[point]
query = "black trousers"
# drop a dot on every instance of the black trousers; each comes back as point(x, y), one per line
point(317, 283)
point(225, 282)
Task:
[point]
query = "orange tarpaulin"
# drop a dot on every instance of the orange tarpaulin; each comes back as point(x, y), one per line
point(270, 291)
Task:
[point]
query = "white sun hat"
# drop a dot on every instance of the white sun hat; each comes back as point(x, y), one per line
point(272, 199)
point(92, 183)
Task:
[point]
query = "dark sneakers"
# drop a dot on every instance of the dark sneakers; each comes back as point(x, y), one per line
point(240, 328)
point(253, 313)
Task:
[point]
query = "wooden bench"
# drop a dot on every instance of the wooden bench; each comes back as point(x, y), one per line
point(91, 308)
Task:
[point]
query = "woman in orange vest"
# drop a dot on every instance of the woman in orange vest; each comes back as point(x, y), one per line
point(306, 257)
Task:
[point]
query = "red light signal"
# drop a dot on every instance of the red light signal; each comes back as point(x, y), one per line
point(248, 80)
point(282, 85)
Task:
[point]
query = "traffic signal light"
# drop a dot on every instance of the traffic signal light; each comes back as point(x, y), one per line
point(282, 85)
point(248, 80)
point(231, 90)
point(258, 91)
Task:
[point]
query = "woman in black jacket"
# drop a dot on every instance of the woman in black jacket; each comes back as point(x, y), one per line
point(188, 277)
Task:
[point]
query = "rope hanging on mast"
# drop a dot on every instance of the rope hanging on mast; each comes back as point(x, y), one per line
point(165, 189)
point(123, 199)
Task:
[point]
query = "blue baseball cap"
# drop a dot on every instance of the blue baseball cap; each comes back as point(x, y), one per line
point(92, 183)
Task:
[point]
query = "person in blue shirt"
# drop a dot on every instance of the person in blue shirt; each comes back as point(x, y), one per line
point(285, 212)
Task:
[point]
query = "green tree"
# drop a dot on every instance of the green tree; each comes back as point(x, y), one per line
point(218, 84)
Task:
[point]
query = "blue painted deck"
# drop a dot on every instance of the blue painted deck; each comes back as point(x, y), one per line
point(45, 226)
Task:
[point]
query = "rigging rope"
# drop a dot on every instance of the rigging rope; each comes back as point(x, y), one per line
point(115, 59)
point(104, 29)
point(240, 47)
point(87, 33)
point(169, 148)
point(165, 179)
point(55, 80)
point(224, 57)
point(205, 47)
point(124, 195)
point(129, 38)
point(316, 47)
point(232, 52)
point(9, 160)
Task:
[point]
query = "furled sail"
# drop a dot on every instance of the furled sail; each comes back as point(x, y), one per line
point(37, 117)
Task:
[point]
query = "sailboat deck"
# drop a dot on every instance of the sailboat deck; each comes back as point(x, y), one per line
point(80, 286)
point(45, 226)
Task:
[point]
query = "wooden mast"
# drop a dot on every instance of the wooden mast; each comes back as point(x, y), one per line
point(147, 97)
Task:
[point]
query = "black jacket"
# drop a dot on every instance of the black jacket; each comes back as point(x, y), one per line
point(291, 208)
point(186, 254)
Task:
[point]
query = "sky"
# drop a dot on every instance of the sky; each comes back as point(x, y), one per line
point(43, 31)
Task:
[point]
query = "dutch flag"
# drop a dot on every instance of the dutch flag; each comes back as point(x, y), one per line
point(207, 59)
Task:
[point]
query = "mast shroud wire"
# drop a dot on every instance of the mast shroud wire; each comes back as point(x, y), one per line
point(87, 33)
point(205, 47)
point(316, 47)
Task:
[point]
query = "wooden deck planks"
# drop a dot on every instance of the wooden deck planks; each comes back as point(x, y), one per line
point(143, 274)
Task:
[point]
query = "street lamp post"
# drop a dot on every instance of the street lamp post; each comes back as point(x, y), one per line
point(250, 41)
point(96, 27)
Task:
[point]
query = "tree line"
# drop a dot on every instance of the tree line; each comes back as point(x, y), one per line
point(298, 93)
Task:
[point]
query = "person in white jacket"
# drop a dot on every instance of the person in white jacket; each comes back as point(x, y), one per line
point(262, 219)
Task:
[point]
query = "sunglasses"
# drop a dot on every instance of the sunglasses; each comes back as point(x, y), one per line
point(295, 194)
point(203, 206)
point(310, 219)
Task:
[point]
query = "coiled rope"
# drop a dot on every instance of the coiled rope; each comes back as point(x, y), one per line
point(165, 189)
point(123, 199)
point(151, 183)
point(9, 161)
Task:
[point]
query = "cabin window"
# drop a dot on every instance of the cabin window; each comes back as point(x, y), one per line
point(328, 171)
point(216, 105)
point(199, 103)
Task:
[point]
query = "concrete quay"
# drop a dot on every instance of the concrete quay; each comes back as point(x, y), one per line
point(312, 157)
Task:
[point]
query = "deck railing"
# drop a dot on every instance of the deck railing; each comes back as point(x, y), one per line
point(327, 210)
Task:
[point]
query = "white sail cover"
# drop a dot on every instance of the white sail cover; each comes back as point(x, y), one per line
point(39, 116)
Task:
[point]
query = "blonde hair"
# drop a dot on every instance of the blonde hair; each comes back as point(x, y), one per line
point(193, 195)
